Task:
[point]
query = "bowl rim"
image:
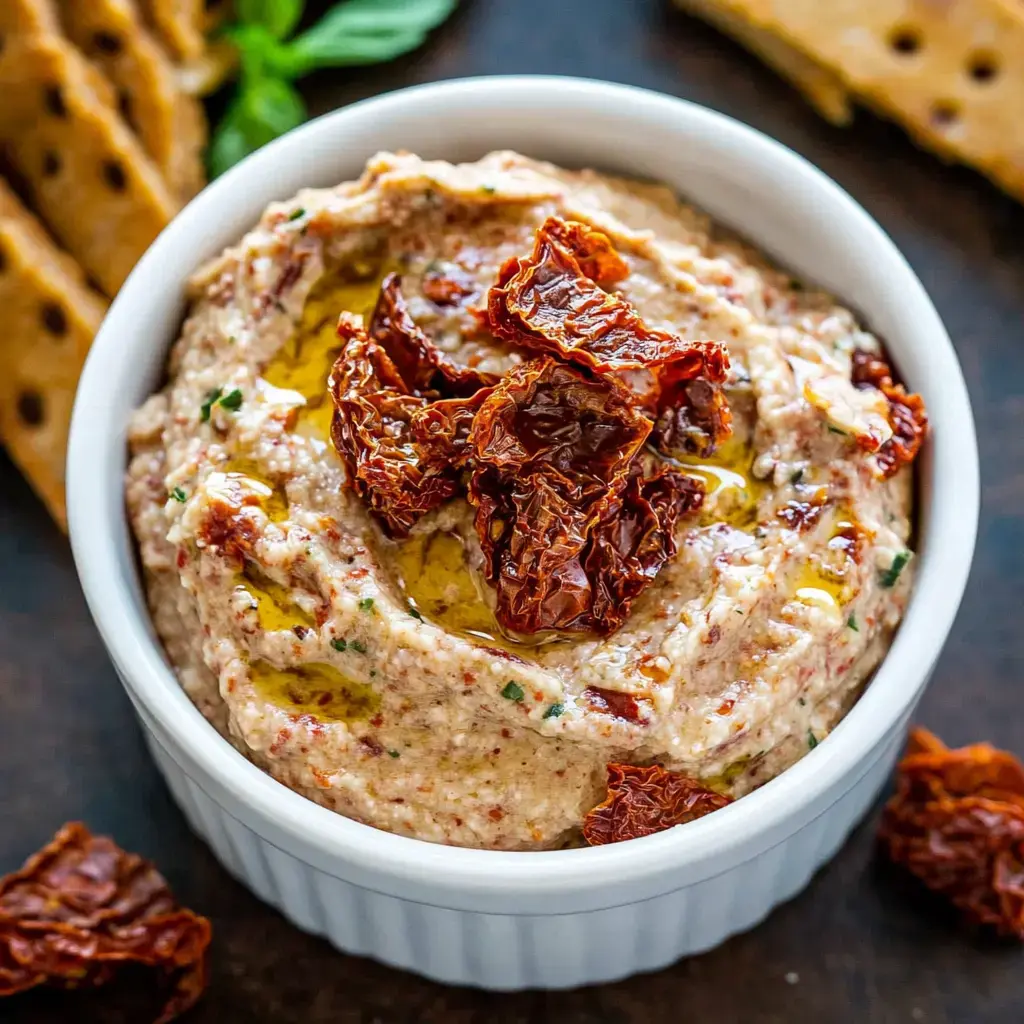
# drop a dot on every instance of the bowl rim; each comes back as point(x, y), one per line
point(98, 527)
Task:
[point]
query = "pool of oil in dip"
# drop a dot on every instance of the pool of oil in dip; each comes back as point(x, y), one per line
point(314, 689)
point(305, 360)
point(274, 605)
point(826, 580)
point(437, 581)
point(271, 496)
point(732, 491)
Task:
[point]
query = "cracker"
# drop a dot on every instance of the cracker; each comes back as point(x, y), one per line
point(821, 87)
point(179, 24)
point(39, 17)
point(91, 181)
point(23, 17)
point(50, 317)
point(951, 72)
point(169, 123)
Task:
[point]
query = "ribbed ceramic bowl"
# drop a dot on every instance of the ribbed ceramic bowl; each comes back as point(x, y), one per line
point(565, 918)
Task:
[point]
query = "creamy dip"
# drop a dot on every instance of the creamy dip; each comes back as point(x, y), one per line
point(371, 675)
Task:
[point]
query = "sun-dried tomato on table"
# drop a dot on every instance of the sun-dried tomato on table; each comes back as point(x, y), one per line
point(642, 801)
point(957, 823)
point(549, 302)
point(907, 416)
point(81, 909)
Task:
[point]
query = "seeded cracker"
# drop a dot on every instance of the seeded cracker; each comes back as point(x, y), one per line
point(951, 72)
point(50, 317)
point(91, 181)
point(169, 123)
point(22, 17)
point(822, 88)
point(179, 24)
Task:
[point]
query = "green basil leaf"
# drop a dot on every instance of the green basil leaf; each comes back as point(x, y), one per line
point(278, 17)
point(262, 109)
point(361, 32)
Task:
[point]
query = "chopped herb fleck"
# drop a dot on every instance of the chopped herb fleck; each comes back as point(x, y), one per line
point(852, 623)
point(232, 400)
point(296, 214)
point(812, 740)
point(797, 477)
point(204, 409)
point(489, 189)
point(415, 613)
point(338, 644)
point(836, 430)
point(801, 701)
point(373, 673)
point(179, 495)
point(366, 604)
point(513, 691)
point(358, 646)
point(554, 711)
point(892, 574)
point(394, 753)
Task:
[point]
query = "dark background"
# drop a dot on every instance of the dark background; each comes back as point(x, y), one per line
point(862, 943)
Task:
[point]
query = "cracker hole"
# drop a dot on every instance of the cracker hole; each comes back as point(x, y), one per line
point(106, 42)
point(51, 164)
point(124, 104)
point(31, 410)
point(945, 113)
point(906, 40)
point(114, 176)
point(983, 67)
point(54, 318)
point(53, 97)
point(3, 260)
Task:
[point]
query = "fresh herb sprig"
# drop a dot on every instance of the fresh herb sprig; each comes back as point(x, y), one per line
point(271, 57)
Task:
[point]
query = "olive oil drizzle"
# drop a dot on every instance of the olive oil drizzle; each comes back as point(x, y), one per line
point(439, 585)
point(304, 361)
point(315, 689)
point(733, 493)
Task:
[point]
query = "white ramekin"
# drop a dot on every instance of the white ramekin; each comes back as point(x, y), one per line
point(566, 918)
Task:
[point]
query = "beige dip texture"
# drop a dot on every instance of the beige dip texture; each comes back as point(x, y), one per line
point(370, 675)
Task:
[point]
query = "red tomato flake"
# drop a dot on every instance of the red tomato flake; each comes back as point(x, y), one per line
point(713, 635)
point(182, 558)
point(280, 740)
point(615, 703)
point(726, 706)
point(377, 721)
point(495, 814)
point(468, 677)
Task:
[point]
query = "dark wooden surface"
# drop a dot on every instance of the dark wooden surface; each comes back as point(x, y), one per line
point(860, 944)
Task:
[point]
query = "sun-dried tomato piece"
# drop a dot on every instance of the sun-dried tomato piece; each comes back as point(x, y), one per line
point(398, 476)
point(81, 908)
point(548, 302)
point(642, 801)
point(593, 249)
point(907, 415)
point(957, 823)
point(634, 539)
point(420, 363)
point(567, 544)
